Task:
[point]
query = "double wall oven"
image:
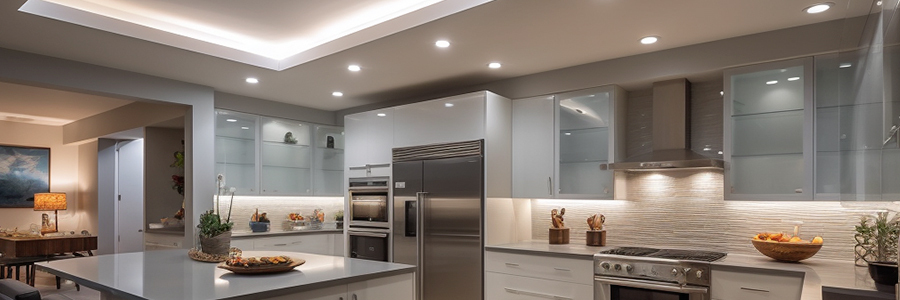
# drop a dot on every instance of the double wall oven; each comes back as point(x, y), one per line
point(369, 228)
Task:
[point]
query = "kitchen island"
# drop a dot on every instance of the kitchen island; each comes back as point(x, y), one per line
point(170, 274)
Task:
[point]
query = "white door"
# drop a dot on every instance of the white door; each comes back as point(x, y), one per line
point(130, 204)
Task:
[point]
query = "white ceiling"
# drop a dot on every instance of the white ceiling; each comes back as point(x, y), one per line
point(527, 36)
point(36, 105)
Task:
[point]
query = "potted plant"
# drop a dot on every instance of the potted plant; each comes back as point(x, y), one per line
point(215, 233)
point(876, 244)
point(339, 219)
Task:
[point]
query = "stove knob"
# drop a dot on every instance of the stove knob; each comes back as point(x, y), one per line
point(699, 274)
point(628, 268)
point(604, 265)
point(675, 272)
point(618, 267)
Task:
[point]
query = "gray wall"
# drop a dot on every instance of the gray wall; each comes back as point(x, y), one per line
point(106, 196)
point(160, 199)
point(262, 107)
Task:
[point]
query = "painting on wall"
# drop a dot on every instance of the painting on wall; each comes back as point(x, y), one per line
point(24, 171)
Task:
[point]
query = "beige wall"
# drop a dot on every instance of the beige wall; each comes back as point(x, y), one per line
point(64, 177)
point(87, 186)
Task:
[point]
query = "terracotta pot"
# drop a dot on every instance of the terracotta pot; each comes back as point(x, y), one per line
point(883, 272)
point(219, 244)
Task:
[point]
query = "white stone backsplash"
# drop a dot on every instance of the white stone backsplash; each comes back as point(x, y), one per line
point(685, 209)
point(277, 209)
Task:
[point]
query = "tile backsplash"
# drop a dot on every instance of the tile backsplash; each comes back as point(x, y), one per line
point(685, 209)
point(278, 208)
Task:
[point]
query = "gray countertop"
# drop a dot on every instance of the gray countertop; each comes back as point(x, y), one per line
point(819, 274)
point(544, 248)
point(170, 274)
point(250, 234)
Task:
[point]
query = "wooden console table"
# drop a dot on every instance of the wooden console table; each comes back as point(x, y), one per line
point(46, 246)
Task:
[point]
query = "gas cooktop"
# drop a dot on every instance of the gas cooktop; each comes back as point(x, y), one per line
point(676, 254)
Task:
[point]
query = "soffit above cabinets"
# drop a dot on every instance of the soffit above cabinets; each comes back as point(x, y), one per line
point(273, 34)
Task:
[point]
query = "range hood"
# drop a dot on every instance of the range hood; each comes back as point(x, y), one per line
point(671, 132)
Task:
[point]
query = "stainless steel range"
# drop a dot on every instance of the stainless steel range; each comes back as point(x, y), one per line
point(636, 273)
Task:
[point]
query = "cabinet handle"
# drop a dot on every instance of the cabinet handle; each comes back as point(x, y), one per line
point(533, 294)
point(512, 265)
point(754, 290)
point(563, 270)
point(550, 186)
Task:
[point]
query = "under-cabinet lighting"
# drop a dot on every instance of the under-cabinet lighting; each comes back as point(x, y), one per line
point(771, 82)
point(381, 115)
point(230, 120)
point(845, 65)
point(442, 44)
point(354, 68)
point(649, 40)
point(251, 80)
point(793, 78)
point(817, 8)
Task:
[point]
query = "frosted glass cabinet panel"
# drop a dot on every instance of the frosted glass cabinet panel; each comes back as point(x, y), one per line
point(235, 155)
point(769, 131)
point(286, 157)
point(328, 174)
point(584, 144)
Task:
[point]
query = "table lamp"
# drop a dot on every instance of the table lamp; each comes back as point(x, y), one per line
point(47, 202)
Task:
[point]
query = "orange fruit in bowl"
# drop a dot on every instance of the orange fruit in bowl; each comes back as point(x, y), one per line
point(817, 240)
point(795, 239)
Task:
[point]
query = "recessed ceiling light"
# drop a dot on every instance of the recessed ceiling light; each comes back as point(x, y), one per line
point(245, 127)
point(878, 3)
point(793, 78)
point(494, 65)
point(721, 93)
point(771, 82)
point(448, 104)
point(817, 8)
point(381, 114)
point(442, 44)
point(354, 68)
point(845, 65)
point(231, 120)
point(337, 94)
point(720, 152)
point(568, 133)
point(251, 80)
point(649, 40)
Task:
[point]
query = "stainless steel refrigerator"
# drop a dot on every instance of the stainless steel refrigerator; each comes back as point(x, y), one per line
point(438, 206)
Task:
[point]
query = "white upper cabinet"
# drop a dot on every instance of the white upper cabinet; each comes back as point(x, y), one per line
point(768, 131)
point(562, 142)
point(533, 147)
point(328, 173)
point(286, 157)
point(235, 142)
point(369, 137)
point(453, 119)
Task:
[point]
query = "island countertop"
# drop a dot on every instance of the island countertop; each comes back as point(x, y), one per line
point(171, 274)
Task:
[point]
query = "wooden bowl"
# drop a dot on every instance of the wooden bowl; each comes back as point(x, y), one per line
point(789, 252)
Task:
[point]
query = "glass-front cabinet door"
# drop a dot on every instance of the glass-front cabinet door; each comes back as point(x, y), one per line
point(584, 123)
point(329, 161)
point(769, 131)
point(235, 155)
point(285, 157)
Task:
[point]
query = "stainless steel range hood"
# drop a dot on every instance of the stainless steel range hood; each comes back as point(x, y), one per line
point(671, 132)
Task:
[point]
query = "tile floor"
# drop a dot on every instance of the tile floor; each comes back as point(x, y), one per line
point(46, 284)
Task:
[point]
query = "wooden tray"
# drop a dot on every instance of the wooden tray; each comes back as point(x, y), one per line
point(263, 269)
point(203, 257)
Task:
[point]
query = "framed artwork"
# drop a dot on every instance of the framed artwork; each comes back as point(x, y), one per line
point(24, 171)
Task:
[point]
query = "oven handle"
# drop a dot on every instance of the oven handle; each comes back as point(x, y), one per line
point(652, 285)
point(368, 234)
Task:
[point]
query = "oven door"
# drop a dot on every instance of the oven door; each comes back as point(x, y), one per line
point(369, 209)
point(370, 245)
point(612, 288)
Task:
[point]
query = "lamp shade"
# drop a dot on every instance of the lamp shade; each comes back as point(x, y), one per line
point(49, 201)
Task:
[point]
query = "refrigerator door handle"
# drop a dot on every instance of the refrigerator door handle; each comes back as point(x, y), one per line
point(420, 243)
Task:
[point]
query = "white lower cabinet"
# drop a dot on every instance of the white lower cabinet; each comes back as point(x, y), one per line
point(397, 287)
point(756, 284)
point(525, 276)
point(324, 244)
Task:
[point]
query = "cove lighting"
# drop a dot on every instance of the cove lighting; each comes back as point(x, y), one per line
point(817, 8)
point(231, 120)
point(649, 40)
point(793, 78)
point(337, 94)
point(494, 65)
point(251, 80)
point(771, 82)
point(354, 68)
point(442, 44)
